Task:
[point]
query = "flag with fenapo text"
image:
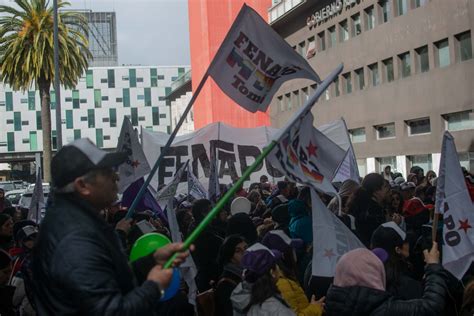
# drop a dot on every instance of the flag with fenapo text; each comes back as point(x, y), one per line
point(332, 239)
point(307, 156)
point(253, 61)
point(454, 202)
point(169, 191)
point(136, 165)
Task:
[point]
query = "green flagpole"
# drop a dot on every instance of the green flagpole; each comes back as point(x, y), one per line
point(220, 204)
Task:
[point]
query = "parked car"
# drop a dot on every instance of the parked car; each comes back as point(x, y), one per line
point(14, 196)
point(7, 186)
point(25, 199)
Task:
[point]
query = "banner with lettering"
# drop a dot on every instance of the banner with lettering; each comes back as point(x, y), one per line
point(253, 62)
point(236, 149)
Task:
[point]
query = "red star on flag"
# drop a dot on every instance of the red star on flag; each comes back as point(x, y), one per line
point(311, 149)
point(328, 253)
point(464, 225)
point(135, 163)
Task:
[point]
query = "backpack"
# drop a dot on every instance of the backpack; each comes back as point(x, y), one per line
point(206, 301)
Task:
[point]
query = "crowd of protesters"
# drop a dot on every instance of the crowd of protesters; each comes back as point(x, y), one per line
point(253, 259)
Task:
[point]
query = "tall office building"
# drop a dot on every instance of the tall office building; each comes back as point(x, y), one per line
point(102, 38)
point(408, 75)
point(209, 21)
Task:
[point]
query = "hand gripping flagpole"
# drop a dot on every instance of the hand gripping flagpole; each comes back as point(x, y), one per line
point(266, 151)
point(164, 151)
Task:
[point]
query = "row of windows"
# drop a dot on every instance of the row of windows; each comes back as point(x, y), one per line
point(453, 122)
point(77, 101)
point(407, 63)
point(365, 20)
point(131, 78)
point(90, 119)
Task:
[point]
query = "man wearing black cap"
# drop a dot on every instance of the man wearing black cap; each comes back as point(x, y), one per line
point(78, 264)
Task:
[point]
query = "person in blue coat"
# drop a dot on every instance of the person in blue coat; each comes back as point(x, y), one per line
point(300, 216)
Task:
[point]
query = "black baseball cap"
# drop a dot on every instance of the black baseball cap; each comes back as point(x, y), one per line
point(78, 158)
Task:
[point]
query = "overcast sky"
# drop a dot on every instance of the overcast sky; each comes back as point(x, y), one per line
point(149, 32)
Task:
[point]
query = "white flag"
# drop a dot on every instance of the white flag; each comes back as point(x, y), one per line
point(454, 202)
point(331, 239)
point(168, 192)
point(253, 61)
point(195, 188)
point(213, 191)
point(37, 199)
point(136, 165)
point(306, 156)
point(338, 133)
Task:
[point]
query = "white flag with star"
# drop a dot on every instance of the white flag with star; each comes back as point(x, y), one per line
point(454, 202)
point(136, 165)
point(331, 239)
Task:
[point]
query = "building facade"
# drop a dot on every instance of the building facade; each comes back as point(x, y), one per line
point(179, 98)
point(209, 21)
point(95, 109)
point(408, 75)
point(102, 38)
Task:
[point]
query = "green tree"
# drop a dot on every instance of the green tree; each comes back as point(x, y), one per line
point(26, 54)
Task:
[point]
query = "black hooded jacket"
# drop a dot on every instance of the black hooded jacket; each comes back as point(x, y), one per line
point(359, 300)
point(79, 267)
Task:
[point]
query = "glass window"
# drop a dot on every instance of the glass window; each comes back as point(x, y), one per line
point(52, 99)
point(343, 31)
point(336, 87)
point(459, 121)
point(304, 95)
point(77, 133)
point(287, 101)
point(464, 46)
point(38, 121)
point(103, 80)
point(281, 104)
point(387, 161)
point(402, 7)
point(362, 166)
point(105, 98)
point(311, 51)
point(31, 100)
point(111, 78)
point(91, 118)
point(442, 53)
point(69, 119)
point(132, 74)
point(347, 82)
point(388, 65)
point(75, 99)
point(9, 101)
point(423, 161)
point(155, 116)
point(134, 116)
point(405, 64)
point(321, 41)
point(99, 137)
point(419, 3)
point(147, 96)
point(356, 25)
point(357, 135)
point(385, 131)
point(17, 121)
point(301, 49)
point(126, 97)
point(97, 98)
point(374, 74)
point(386, 10)
point(140, 97)
point(360, 80)
point(423, 63)
point(10, 141)
point(90, 79)
point(113, 117)
point(153, 77)
point(33, 141)
point(296, 98)
point(161, 77)
point(467, 160)
point(332, 36)
point(140, 79)
point(370, 18)
point(419, 126)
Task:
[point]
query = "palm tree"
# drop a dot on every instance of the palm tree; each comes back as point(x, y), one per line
point(26, 54)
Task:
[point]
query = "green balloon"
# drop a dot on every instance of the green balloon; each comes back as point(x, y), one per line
point(147, 244)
